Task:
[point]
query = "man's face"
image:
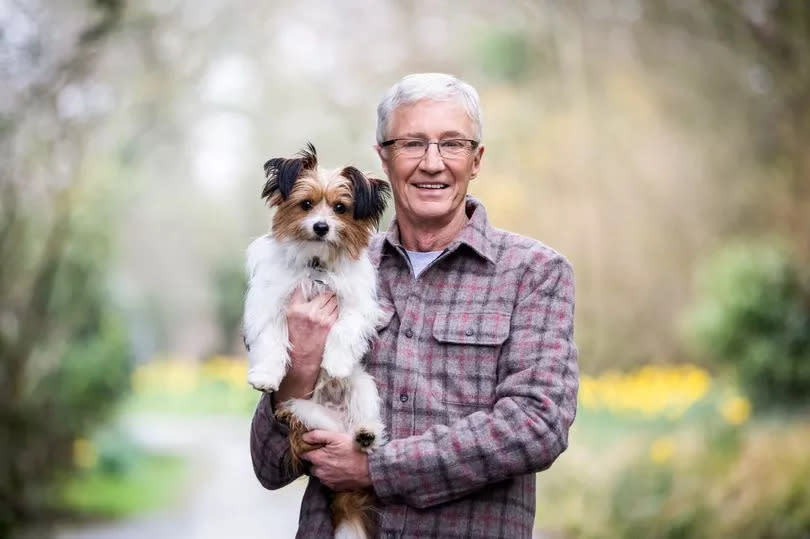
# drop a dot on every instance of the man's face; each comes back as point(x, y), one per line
point(415, 180)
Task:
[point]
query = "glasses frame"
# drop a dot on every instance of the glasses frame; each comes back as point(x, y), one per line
point(473, 143)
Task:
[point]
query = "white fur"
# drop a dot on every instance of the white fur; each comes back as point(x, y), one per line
point(345, 398)
point(350, 529)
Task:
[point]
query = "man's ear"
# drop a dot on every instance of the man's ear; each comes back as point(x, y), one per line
point(476, 164)
point(383, 161)
point(370, 195)
point(281, 172)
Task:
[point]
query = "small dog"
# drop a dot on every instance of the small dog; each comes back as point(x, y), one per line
point(320, 232)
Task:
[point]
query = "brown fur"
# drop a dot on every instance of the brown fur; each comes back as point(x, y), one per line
point(297, 444)
point(351, 506)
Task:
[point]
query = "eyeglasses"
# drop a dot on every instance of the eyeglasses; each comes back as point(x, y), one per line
point(412, 148)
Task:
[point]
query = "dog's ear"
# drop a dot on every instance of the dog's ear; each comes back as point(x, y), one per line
point(281, 173)
point(370, 195)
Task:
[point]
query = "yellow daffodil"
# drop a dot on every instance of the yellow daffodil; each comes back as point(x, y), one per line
point(651, 390)
point(736, 410)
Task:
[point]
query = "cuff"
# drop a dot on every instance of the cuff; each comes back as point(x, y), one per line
point(269, 412)
point(381, 479)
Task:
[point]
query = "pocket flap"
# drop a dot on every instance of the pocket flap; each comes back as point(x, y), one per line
point(485, 328)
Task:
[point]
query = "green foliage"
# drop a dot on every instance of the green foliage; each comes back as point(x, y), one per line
point(504, 54)
point(747, 494)
point(72, 376)
point(65, 362)
point(753, 313)
point(124, 481)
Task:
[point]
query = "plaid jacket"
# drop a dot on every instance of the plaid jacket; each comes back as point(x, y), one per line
point(477, 371)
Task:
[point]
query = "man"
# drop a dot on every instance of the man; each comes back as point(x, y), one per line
point(475, 361)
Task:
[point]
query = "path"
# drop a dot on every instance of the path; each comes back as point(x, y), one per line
point(224, 499)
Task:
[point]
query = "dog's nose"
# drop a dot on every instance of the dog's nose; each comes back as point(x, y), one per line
point(320, 228)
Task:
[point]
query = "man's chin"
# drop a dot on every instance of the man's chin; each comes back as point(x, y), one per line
point(434, 210)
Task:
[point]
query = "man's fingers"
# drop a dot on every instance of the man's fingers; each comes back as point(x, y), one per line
point(323, 299)
point(330, 302)
point(318, 436)
point(331, 308)
point(311, 456)
point(297, 296)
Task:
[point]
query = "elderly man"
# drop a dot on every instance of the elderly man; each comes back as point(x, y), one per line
point(475, 360)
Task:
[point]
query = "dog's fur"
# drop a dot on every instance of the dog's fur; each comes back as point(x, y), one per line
point(320, 232)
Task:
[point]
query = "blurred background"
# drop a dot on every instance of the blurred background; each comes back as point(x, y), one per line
point(663, 146)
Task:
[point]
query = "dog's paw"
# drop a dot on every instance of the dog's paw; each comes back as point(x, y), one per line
point(264, 380)
point(365, 439)
point(336, 363)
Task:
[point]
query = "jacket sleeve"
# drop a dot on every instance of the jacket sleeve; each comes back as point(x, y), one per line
point(527, 428)
point(270, 447)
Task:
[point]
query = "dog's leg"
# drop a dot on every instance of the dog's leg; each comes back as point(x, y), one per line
point(297, 444)
point(268, 358)
point(363, 408)
point(346, 344)
point(314, 415)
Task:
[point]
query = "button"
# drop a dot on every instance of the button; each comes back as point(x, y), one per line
point(469, 332)
point(409, 333)
point(403, 397)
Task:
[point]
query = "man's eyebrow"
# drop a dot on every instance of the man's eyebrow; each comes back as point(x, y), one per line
point(445, 134)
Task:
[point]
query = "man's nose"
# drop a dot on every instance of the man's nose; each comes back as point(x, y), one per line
point(432, 160)
point(321, 228)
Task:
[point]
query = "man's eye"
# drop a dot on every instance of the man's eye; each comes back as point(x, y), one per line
point(413, 144)
point(340, 208)
point(306, 205)
point(452, 144)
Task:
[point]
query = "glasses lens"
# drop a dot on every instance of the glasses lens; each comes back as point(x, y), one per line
point(411, 147)
point(454, 147)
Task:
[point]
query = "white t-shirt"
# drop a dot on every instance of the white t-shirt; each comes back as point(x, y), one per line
point(420, 260)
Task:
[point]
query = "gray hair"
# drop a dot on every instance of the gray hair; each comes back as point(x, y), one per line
point(428, 86)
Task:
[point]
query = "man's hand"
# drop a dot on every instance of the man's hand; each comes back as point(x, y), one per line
point(337, 464)
point(308, 324)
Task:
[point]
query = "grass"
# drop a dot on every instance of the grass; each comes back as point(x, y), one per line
point(149, 482)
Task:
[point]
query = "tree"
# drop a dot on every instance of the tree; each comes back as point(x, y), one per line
point(63, 350)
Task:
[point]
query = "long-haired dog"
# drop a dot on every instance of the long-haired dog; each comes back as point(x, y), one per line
point(320, 232)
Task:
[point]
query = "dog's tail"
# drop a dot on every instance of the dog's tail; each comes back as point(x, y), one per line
point(351, 515)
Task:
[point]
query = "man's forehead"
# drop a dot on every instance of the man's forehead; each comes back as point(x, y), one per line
point(431, 118)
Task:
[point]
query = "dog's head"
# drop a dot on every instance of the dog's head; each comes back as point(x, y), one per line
point(341, 207)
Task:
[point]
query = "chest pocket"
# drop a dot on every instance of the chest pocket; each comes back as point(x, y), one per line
point(466, 369)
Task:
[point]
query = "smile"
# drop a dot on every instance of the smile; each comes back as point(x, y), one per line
point(430, 185)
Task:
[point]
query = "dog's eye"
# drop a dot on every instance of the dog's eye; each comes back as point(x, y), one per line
point(306, 205)
point(340, 208)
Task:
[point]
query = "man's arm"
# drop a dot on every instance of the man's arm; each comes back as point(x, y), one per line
point(308, 323)
point(528, 426)
point(270, 447)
